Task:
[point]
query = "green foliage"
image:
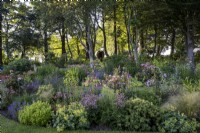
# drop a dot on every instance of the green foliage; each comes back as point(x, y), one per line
point(170, 87)
point(45, 92)
point(6, 96)
point(106, 105)
point(187, 103)
point(50, 57)
point(15, 83)
point(140, 115)
point(166, 66)
point(61, 61)
point(148, 94)
point(39, 113)
point(122, 61)
point(73, 116)
point(25, 97)
point(74, 76)
point(19, 66)
point(135, 83)
point(44, 71)
point(184, 71)
point(149, 74)
point(117, 81)
point(173, 122)
point(191, 85)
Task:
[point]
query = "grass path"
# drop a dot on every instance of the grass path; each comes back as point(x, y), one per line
point(10, 126)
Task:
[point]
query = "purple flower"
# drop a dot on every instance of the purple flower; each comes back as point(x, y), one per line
point(32, 87)
point(120, 100)
point(89, 101)
point(14, 108)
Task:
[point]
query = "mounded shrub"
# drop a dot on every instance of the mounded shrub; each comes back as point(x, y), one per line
point(39, 113)
point(19, 66)
point(148, 94)
point(45, 92)
point(73, 116)
point(139, 115)
point(74, 76)
point(173, 122)
point(107, 106)
point(44, 71)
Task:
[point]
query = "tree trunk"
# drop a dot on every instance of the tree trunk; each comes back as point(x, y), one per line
point(63, 38)
point(155, 41)
point(141, 40)
point(1, 40)
point(131, 42)
point(87, 43)
point(136, 45)
point(190, 45)
point(71, 55)
point(126, 21)
point(23, 51)
point(115, 29)
point(46, 49)
point(91, 52)
point(173, 42)
point(104, 35)
point(6, 39)
point(78, 49)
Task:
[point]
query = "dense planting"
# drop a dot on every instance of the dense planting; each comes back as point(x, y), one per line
point(72, 98)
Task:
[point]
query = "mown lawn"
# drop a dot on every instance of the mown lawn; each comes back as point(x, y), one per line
point(10, 126)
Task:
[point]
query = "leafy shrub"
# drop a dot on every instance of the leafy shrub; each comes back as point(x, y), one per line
point(32, 86)
point(184, 70)
point(123, 61)
point(170, 87)
point(166, 65)
point(15, 83)
point(56, 79)
point(6, 96)
point(173, 122)
point(50, 57)
point(92, 81)
point(45, 92)
point(187, 103)
point(61, 61)
point(72, 117)
point(74, 76)
point(25, 97)
point(139, 115)
point(44, 71)
point(148, 94)
point(39, 113)
point(113, 62)
point(14, 108)
point(107, 107)
point(89, 101)
point(120, 100)
point(117, 81)
point(19, 66)
point(135, 83)
point(148, 73)
point(191, 85)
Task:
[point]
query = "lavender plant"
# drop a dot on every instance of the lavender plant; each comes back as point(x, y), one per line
point(13, 109)
point(90, 101)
